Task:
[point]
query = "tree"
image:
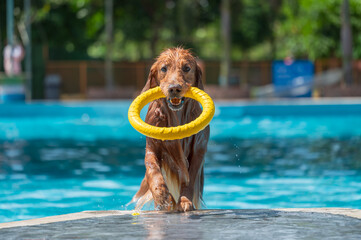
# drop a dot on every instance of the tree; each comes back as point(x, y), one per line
point(109, 78)
point(311, 29)
point(226, 43)
point(346, 42)
point(251, 25)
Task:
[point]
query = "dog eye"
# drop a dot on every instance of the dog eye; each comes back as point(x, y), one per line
point(163, 69)
point(186, 69)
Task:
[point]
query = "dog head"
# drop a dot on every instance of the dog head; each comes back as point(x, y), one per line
point(175, 71)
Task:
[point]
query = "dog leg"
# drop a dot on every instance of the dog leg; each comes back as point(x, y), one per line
point(191, 194)
point(163, 200)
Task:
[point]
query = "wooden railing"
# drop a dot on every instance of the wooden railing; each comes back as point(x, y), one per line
point(79, 76)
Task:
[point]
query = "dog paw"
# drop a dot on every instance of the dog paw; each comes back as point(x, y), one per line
point(185, 205)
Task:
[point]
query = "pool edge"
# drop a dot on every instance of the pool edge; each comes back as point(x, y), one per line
point(348, 212)
point(63, 218)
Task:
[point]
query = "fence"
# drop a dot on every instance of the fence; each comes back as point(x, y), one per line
point(80, 76)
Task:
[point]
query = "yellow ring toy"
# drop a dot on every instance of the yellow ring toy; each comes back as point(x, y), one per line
point(171, 133)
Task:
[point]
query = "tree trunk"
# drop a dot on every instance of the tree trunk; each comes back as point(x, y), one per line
point(109, 78)
point(273, 12)
point(226, 43)
point(10, 27)
point(346, 42)
point(28, 64)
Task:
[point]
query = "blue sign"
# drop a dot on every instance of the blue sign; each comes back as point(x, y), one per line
point(293, 78)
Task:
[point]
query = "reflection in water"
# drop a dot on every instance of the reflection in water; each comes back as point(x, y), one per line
point(162, 225)
point(156, 227)
point(47, 177)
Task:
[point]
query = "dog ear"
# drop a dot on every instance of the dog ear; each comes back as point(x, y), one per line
point(152, 79)
point(199, 83)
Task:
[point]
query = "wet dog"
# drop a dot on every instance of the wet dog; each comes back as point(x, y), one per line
point(174, 168)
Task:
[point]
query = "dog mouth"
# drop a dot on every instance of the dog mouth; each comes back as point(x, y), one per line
point(175, 103)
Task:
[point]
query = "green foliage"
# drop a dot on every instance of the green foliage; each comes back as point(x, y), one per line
point(311, 29)
point(74, 29)
point(63, 26)
point(250, 25)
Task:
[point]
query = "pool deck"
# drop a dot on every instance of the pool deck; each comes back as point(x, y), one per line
point(292, 223)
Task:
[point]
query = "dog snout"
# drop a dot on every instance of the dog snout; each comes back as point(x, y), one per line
point(174, 89)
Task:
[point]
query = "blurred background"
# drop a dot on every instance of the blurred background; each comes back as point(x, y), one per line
point(87, 49)
point(60, 156)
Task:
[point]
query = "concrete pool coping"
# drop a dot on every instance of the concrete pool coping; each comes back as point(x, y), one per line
point(347, 212)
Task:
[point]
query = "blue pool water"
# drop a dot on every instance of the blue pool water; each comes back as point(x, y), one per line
point(58, 158)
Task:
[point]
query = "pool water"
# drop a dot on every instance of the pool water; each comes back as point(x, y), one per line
point(58, 158)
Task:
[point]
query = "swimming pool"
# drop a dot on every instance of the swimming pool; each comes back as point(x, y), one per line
point(58, 158)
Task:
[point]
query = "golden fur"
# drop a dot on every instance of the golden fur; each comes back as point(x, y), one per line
point(174, 169)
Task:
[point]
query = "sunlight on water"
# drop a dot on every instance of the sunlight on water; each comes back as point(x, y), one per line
point(48, 177)
point(58, 158)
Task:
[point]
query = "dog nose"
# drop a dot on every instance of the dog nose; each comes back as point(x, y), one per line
point(174, 88)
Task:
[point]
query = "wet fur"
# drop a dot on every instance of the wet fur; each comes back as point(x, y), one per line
point(174, 169)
